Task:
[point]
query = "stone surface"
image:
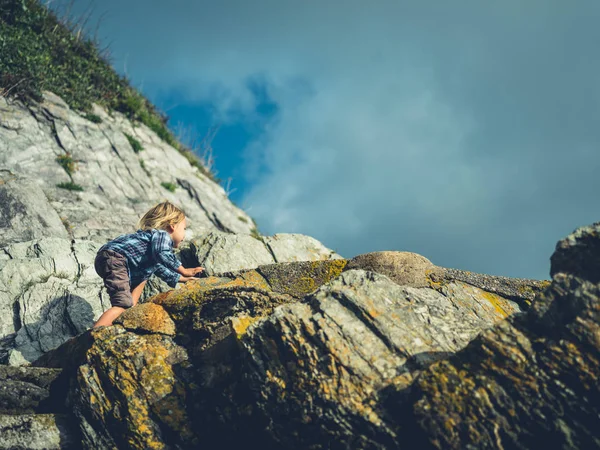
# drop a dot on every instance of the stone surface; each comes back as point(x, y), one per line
point(221, 253)
point(38, 432)
point(521, 290)
point(403, 268)
point(26, 390)
point(118, 184)
point(25, 212)
point(287, 247)
point(579, 254)
point(529, 382)
point(49, 292)
point(312, 371)
point(147, 317)
point(299, 279)
point(130, 393)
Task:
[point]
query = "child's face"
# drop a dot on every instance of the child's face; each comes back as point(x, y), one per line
point(178, 233)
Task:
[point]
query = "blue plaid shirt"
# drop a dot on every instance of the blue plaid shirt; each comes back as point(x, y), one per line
point(148, 252)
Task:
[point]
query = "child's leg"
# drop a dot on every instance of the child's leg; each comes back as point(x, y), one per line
point(137, 291)
point(107, 318)
point(113, 312)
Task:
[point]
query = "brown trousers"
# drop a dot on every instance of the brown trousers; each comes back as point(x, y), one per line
point(112, 267)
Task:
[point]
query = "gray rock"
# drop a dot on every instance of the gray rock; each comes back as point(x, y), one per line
point(118, 184)
point(222, 253)
point(312, 371)
point(287, 247)
point(25, 213)
point(49, 292)
point(404, 268)
point(25, 390)
point(38, 431)
point(579, 254)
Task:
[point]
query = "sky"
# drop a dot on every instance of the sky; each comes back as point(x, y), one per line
point(465, 131)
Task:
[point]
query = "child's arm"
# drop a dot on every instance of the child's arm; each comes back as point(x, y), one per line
point(162, 250)
point(168, 276)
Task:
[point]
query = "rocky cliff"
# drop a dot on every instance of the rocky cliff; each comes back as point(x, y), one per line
point(284, 344)
point(67, 185)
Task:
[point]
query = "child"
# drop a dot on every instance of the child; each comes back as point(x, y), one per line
point(126, 263)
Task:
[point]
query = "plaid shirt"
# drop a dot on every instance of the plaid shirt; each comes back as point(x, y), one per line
point(147, 252)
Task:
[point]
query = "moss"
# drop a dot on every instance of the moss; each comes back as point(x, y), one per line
point(143, 166)
point(242, 219)
point(93, 118)
point(70, 186)
point(135, 144)
point(67, 163)
point(169, 186)
point(255, 234)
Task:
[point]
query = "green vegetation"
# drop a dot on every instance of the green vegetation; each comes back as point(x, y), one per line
point(255, 234)
point(169, 186)
point(135, 144)
point(243, 219)
point(93, 118)
point(143, 166)
point(70, 186)
point(66, 162)
point(39, 51)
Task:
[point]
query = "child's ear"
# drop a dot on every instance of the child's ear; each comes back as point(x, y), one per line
point(170, 228)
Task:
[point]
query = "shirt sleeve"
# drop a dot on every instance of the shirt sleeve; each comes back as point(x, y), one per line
point(168, 276)
point(162, 250)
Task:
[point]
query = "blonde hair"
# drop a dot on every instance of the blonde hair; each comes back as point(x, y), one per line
point(161, 216)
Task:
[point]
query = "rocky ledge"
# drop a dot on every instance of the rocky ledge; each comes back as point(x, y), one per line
point(382, 351)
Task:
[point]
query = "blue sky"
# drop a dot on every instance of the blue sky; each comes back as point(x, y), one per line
point(464, 131)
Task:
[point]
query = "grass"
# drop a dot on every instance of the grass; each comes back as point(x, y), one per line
point(70, 186)
point(66, 162)
point(169, 186)
point(135, 144)
point(93, 118)
point(39, 51)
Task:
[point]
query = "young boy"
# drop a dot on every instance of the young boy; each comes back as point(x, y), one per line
point(126, 263)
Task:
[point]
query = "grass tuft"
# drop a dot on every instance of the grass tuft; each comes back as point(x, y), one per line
point(169, 186)
point(66, 162)
point(135, 144)
point(70, 186)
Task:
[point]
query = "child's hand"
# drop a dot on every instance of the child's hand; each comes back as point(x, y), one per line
point(192, 271)
point(186, 279)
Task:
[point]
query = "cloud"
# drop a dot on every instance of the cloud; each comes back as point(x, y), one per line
point(464, 131)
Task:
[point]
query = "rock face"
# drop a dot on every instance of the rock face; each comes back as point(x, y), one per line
point(286, 355)
point(48, 144)
point(284, 343)
point(49, 291)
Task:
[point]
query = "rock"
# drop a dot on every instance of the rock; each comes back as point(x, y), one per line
point(26, 390)
point(148, 317)
point(296, 247)
point(221, 253)
point(38, 431)
point(130, 393)
point(579, 254)
point(299, 279)
point(403, 268)
point(49, 292)
point(25, 213)
point(521, 290)
point(118, 184)
point(312, 371)
point(529, 382)
point(202, 308)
